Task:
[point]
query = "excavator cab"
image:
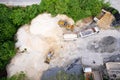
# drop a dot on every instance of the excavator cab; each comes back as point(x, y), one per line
point(62, 23)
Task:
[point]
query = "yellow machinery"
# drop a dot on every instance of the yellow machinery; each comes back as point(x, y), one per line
point(63, 23)
point(49, 57)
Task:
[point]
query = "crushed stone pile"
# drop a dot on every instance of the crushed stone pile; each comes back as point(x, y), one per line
point(107, 44)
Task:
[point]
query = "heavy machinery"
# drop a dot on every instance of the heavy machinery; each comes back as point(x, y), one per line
point(64, 23)
point(49, 57)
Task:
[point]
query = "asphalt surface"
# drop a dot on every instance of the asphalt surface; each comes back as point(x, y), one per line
point(115, 4)
point(20, 2)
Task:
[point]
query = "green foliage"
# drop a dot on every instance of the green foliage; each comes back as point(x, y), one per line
point(18, 16)
point(31, 12)
point(6, 53)
point(20, 76)
point(4, 14)
point(7, 31)
point(64, 76)
point(117, 27)
point(77, 9)
point(21, 16)
point(10, 20)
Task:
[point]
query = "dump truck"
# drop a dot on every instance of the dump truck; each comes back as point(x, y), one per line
point(64, 23)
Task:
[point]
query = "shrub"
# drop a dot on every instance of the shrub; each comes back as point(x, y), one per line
point(6, 53)
point(77, 9)
point(21, 15)
point(18, 16)
point(7, 31)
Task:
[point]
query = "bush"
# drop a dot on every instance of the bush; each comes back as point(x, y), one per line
point(6, 53)
point(7, 31)
point(18, 16)
point(77, 9)
point(21, 16)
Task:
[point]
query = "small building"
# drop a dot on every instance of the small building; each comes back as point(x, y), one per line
point(113, 69)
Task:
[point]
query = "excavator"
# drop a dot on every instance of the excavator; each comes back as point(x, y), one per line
point(64, 23)
point(49, 57)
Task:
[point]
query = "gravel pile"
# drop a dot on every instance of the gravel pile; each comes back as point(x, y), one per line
point(106, 44)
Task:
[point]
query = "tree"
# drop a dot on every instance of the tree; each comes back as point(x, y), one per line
point(76, 9)
point(7, 31)
point(7, 51)
point(18, 16)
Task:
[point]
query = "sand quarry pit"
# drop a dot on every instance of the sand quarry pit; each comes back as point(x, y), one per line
point(44, 34)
